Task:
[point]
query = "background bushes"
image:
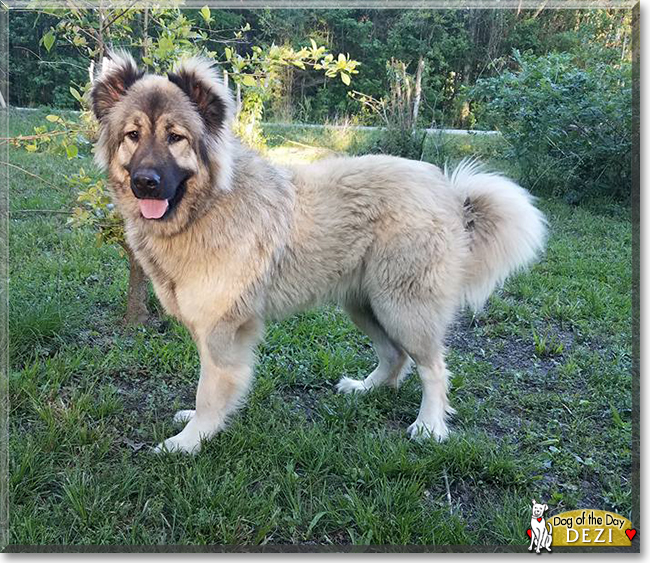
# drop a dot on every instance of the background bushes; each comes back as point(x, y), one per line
point(567, 125)
point(556, 83)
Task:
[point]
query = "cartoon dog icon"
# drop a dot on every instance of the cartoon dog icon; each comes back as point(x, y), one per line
point(539, 534)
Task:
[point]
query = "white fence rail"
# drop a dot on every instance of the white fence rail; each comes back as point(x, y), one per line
point(373, 128)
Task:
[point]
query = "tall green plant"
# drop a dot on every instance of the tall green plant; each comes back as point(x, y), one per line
point(399, 112)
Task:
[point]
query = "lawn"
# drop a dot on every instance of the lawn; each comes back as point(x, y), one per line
point(540, 380)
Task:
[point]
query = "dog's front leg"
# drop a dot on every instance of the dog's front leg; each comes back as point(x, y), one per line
point(226, 353)
point(538, 543)
point(532, 539)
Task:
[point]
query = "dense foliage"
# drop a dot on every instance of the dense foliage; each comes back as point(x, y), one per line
point(567, 126)
point(38, 77)
point(557, 83)
point(457, 47)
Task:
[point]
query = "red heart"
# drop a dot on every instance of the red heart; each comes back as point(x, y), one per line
point(539, 519)
point(630, 533)
point(529, 532)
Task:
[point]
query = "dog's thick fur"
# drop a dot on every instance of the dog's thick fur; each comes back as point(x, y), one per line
point(399, 244)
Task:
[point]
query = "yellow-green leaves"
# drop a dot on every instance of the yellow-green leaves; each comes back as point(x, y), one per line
point(48, 40)
point(248, 80)
point(71, 151)
point(76, 95)
point(95, 209)
point(262, 67)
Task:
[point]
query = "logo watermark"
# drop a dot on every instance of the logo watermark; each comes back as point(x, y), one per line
point(578, 528)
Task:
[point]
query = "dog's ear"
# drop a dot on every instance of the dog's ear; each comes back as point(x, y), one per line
point(534, 501)
point(117, 74)
point(545, 507)
point(202, 85)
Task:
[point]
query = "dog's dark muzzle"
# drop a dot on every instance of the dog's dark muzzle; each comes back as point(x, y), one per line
point(157, 178)
point(145, 184)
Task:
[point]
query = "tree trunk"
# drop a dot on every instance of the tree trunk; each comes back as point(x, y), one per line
point(473, 17)
point(287, 93)
point(100, 35)
point(145, 34)
point(418, 91)
point(136, 303)
point(407, 86)
point(540, 9)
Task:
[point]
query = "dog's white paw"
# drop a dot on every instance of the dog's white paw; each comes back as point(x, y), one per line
point(421, 430)
point(188, 441)
point(349, 385)
point(176, 445)
point(190, 438)
point(184, 416)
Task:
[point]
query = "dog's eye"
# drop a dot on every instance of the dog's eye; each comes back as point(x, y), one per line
point(133, 135)
point(174, 138)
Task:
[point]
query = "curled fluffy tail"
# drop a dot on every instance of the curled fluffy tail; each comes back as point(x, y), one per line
point(507, 231)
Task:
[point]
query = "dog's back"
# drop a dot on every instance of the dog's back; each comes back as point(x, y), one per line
point(355, 215)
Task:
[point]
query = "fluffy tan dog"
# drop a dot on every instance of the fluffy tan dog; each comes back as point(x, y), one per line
point(229, 239)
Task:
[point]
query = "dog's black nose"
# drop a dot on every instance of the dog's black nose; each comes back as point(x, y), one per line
point(145, 182)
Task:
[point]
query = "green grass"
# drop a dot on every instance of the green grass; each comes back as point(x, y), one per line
point(540, 379)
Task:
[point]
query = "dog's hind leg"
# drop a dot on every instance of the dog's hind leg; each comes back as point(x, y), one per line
point(226, 372)
point(419, 332)
point(418, 327)
point(434, 408)
point(393, 361)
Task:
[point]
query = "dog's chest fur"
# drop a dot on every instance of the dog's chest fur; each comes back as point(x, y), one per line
point(198, 282)
point(219, 263)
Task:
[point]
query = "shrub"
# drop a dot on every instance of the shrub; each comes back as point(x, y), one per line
point(398, 112)
point(402, 142)
point(569, 127)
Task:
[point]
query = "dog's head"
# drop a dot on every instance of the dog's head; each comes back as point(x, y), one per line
point(539, 509)
point(165, 140)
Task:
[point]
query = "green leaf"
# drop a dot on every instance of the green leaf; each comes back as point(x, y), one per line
point(345, 78)
point(205, 12)
point(48, 40)
point(616, 416)
point(165, 45)
point(72, 151)
point(314, 521)
point(249, 80)
point(75, 94)
point(52, 118)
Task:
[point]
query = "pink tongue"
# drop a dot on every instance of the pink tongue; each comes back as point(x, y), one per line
point(153, 208)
